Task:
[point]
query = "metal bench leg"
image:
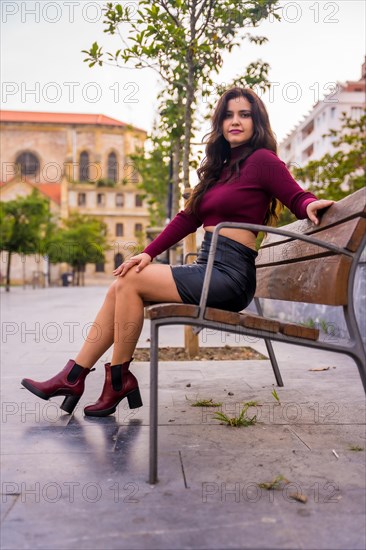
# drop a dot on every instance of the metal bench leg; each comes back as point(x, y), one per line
point(359, 353)
point(270, 349)
point(361, 364)
point(154, 350)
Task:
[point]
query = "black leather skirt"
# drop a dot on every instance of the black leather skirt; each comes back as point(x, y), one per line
point(233, 279)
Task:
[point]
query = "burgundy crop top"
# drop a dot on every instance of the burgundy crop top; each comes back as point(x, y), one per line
point(245, 197)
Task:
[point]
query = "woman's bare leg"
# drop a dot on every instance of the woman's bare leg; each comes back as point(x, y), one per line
point(101, 333)
point(154, 283)
point(120, 318)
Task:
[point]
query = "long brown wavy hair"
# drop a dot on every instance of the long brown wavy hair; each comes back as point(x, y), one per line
point(218, 150)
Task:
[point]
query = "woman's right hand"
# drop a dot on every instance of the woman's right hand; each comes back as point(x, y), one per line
point(140, 260)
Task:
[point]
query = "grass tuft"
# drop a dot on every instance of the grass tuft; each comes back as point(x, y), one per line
point(205, 403)
point(356, 448)
point(241, 420)
point(277, 483)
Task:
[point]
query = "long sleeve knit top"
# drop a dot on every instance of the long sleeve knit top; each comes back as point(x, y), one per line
point(244, 197)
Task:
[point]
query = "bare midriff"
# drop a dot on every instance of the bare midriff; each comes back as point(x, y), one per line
point(242, 236)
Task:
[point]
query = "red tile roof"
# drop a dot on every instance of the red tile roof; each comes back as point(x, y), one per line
point(61, 118)
point(50, 190)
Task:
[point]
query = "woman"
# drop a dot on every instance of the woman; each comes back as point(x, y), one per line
point(240, 180)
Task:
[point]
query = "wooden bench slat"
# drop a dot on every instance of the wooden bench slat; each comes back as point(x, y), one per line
point(222, 316)
point(349, 207)
point(299, 331)
point(259, 323)
point(346, 235)
point(318, 281)
point(159, 311)
point(243, 319)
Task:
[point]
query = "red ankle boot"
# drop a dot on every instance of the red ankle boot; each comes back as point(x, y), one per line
point(69, 382)
point(119, 383)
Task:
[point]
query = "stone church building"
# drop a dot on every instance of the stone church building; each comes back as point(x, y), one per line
point(80, 162)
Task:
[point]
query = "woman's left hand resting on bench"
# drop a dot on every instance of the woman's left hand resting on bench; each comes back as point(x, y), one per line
point(313, 207)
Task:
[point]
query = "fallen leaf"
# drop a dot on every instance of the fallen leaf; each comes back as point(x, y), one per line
point(320, 369)
point(299, 497)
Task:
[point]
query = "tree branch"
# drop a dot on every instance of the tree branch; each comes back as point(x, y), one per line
point(141, 60)
point(204, 25)
point(204, 4)
point(171, 15)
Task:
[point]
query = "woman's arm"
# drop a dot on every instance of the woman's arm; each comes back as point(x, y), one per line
point(273, 175)
point(181, 225)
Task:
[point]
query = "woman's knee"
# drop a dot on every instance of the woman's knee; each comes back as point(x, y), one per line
point(111, 292)
point(123, 283)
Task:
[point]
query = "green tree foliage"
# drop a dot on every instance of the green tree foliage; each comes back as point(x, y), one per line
point(81, 241)
point(184, 42)
point(24, 222)
point(340, 173)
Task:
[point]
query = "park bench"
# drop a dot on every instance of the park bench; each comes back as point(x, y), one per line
point(299, 262)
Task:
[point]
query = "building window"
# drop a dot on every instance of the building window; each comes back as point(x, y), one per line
point(112, 167)
point(119, 229)
point(332, 112)
point(308, 129)
point(138, 228)
point(118, 259)
point(120, 199)
point(138, 200)
point(356, 113)
point(134, 175)
point(84, 166)
point(81, 199)
point(29, 164)
point(99, 268)
point(100, 199)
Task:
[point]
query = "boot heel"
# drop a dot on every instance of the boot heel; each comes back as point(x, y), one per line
point(70, 402)
point(134, 399)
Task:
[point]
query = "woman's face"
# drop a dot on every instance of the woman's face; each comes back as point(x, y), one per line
point(237, 126)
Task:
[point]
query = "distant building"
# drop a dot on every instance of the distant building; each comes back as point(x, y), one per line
point(306, 141)
point(81, 163)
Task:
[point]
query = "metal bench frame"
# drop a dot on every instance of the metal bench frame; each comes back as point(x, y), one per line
point(354, 348)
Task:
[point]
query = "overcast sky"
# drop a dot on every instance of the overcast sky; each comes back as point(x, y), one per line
point(317, 44)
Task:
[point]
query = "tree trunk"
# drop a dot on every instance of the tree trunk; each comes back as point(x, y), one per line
point(188, 121)
point(176, 179)
point(190, 90)
point(189, 245)
point(175, 191)
point(191, 343)
point(7, 283)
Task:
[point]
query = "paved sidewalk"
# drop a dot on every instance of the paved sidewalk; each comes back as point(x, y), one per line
point(69, 482)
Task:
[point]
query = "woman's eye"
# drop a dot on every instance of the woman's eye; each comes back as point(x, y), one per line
point(246, 115)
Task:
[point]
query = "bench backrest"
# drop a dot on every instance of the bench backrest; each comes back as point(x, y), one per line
point(297, 271)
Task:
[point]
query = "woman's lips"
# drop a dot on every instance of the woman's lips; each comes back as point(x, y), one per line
point(235, 132)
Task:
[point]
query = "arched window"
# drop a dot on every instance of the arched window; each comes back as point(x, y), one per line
point(118, 259)
point(112, 167)
point(84, 166)
point(29, 164)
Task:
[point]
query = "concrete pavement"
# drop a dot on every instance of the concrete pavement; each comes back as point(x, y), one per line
point(73, 482)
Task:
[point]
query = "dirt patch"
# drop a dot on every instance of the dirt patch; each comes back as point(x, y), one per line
point(225, 353)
